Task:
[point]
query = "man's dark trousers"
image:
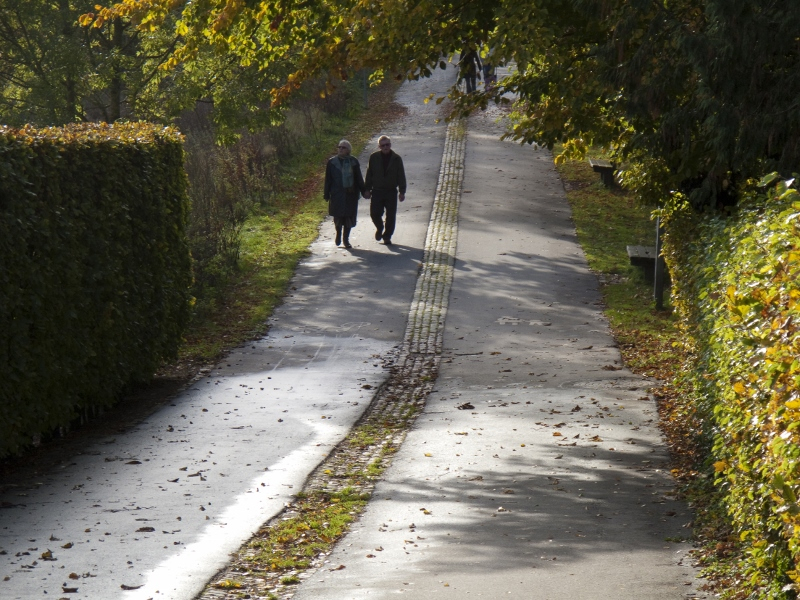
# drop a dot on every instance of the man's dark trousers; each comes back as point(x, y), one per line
point(384, 201)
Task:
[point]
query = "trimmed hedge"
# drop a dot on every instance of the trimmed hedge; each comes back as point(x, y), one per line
point(95, 275)
point(737, 286)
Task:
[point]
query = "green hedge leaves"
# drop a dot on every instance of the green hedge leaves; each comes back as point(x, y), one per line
point(737, 286)
point(94, 268)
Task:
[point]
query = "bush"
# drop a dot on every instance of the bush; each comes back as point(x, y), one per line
point(737, 285)
point(225, 183)
point(94, 290)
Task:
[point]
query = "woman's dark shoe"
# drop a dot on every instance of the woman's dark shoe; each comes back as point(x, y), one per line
point(338, 236)
point(347, 244)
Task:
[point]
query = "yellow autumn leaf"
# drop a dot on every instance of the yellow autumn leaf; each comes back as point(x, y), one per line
point(739, 388)
point(428, 454)
point(720, 466)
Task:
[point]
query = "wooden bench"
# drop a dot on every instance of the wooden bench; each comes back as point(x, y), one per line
point(606, 170)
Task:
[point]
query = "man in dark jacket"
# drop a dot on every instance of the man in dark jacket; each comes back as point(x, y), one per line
point(385, 177)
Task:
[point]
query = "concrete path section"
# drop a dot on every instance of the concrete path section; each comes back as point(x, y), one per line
point(155, 511)
point(536, 470)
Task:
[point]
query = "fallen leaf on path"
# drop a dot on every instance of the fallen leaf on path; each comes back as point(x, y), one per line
point(130, 587)
point(465, 406)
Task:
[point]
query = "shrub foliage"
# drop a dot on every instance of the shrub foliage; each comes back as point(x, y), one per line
point(94, 289)
point(737, 287)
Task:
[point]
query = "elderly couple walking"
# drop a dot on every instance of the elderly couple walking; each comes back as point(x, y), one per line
point(383, 186)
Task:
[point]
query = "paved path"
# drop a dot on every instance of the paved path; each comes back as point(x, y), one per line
point(536, 469)
point(553, 485)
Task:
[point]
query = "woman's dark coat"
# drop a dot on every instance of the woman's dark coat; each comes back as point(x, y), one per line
point(342, 202)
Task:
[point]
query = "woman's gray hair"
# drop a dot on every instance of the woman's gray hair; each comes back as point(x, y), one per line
point(346, 143)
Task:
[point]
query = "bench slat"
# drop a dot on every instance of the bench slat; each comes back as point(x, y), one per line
point(642, 256)
point(598, 164)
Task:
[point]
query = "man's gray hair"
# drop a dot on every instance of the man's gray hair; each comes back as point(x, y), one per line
point(384, 138)
point(346, 143)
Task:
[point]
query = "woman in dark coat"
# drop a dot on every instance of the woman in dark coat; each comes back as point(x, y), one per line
point(343, 185)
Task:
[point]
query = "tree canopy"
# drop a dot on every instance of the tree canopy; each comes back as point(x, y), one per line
point(692, 96)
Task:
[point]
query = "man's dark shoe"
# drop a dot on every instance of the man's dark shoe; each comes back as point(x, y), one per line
point(338, 237)
point(347, 244)
point(387, 239)
point(378, 234)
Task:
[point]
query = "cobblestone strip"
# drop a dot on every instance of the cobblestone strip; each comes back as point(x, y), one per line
point(395, 404)
point(428, 309)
